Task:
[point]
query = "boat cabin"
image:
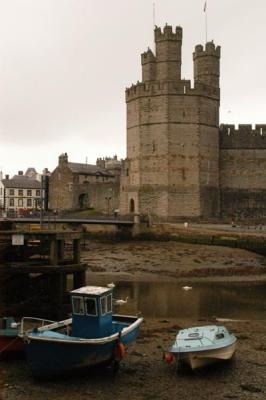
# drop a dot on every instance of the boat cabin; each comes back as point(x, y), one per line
point(92, 312)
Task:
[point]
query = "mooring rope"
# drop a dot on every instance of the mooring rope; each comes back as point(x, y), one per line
point(9, 344)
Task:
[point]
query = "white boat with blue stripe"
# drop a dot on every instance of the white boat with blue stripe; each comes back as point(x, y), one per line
point(92, 336)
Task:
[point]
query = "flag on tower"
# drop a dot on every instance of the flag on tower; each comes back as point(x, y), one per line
point(205, 6)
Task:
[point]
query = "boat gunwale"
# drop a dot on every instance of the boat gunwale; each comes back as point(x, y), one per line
point(198, 349)
point(27, 337)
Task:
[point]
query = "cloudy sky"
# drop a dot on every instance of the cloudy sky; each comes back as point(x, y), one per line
point(64, 66)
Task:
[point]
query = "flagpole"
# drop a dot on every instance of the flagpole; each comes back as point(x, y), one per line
point(206, 20)
point(153, 23)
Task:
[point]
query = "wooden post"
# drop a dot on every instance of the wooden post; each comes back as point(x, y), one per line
point(79, 279)
point(61, 250)
point(76, 251)
point(53, 252)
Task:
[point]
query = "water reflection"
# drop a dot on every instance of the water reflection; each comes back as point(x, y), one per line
point(154, 300)
point(169, 300)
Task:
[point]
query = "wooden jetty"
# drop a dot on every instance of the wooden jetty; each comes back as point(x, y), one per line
point(41, 265)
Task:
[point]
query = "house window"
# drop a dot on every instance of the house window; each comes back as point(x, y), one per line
point(11, 192)
point(29, 192)
point(37, 202)
point(20, 192)
point(38, 192)
point(11, 202)
point(20, 202)
point(29, 202)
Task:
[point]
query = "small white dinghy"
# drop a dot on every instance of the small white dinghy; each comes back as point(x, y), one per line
point(202, 345)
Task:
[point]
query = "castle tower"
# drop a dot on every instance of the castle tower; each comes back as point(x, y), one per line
point(207, 64)
point(171, 168)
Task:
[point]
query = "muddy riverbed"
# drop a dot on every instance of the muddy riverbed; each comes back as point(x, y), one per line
point(143, 374)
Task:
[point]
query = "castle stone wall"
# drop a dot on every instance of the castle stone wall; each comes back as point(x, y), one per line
point(242, 138)
point(242, 171)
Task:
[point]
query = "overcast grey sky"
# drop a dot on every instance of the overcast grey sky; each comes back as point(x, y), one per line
point(64, 66)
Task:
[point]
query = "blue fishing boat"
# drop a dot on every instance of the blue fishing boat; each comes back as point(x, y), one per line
point(92, 336)
point(202, 345)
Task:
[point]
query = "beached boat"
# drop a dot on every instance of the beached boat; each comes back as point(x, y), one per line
point(10, 342)
point(92, 336)
point(202, 345)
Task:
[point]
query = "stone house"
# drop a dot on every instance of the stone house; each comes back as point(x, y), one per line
point(77, 186)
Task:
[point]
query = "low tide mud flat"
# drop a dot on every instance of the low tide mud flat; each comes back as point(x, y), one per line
point(156, 261)
point(143, 374)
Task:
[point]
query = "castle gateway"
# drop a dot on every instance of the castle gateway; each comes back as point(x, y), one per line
point(179, 163)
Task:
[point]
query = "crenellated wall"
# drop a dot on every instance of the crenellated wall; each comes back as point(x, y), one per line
point(243, 171)
point(245, 137)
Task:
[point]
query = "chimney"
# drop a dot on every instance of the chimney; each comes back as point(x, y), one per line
point(7, 176)
point(20, 172)
point(63, 159)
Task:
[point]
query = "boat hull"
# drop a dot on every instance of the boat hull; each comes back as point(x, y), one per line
point(199, 359)
point(49, 356)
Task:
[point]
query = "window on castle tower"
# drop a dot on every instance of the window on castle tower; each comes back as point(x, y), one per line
point(132, 206)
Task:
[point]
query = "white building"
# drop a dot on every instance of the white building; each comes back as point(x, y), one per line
point(20, 194)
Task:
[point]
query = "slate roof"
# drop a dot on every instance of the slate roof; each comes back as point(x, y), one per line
point(21, 182)
point(88, 169)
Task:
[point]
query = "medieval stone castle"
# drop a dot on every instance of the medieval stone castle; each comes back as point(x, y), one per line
point(180, 161)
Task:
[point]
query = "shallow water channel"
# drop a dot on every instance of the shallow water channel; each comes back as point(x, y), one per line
point(242, 301)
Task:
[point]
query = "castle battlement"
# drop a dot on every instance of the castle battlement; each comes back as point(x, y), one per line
point(243, 137)
point(178, 88)
point(147, 57)
point(209, 50)
point(168, 34)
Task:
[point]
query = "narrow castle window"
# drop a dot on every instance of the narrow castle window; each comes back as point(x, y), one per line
point(153, 146)
point(132, 206)
point(228, 131)
point(261, 131)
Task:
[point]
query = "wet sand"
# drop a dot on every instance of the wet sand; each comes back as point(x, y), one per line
point(143, 374)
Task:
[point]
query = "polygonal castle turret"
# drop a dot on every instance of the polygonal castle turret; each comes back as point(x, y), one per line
point(173, 132)
point(165, 66)
point(207, 64)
